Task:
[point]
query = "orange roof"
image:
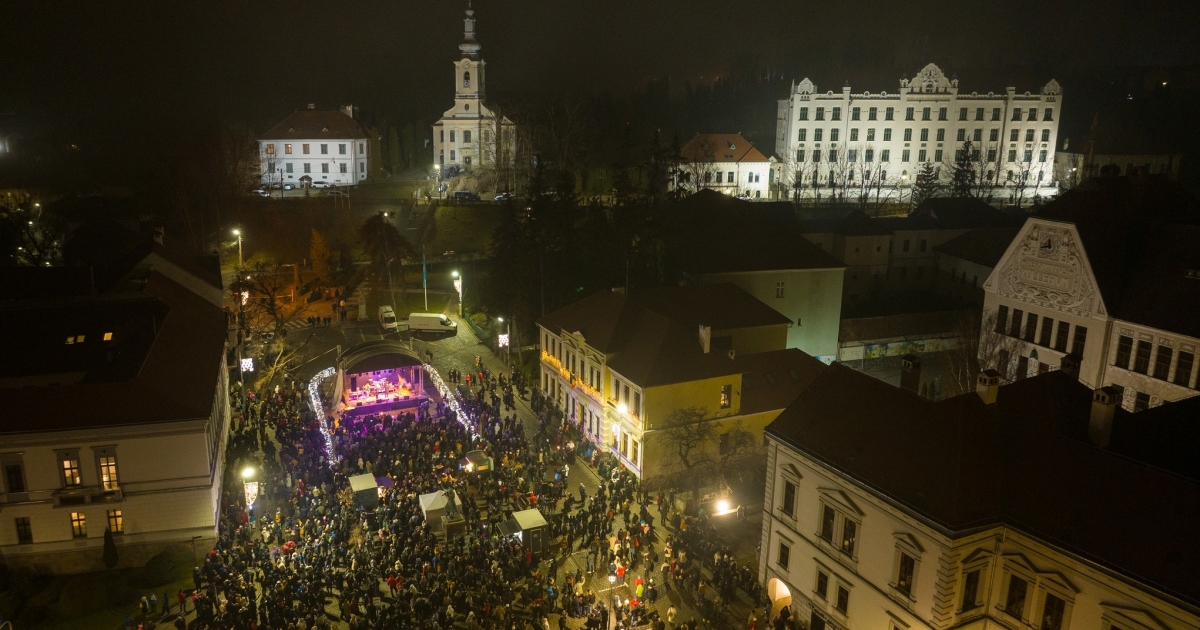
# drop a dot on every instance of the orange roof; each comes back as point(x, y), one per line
point(315, 124)
point(721, 147)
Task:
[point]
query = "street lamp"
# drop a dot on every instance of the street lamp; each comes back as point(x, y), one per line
point(458, 286)
point(250, 486)
point(238, 234)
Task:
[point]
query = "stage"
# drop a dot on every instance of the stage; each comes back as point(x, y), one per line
point(379, 377)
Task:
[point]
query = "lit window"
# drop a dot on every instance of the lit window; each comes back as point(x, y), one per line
point(79, 339)
point(78, 525)
point(70, 469)
point(108, 472)
point(108, 336)
point(784, 555)
point(287, 149)
point(116, 522)
point(726, 396)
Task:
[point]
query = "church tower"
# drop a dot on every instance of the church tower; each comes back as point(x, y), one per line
point(469, 82)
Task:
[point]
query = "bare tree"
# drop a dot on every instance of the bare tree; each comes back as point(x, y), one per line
point(268, 296)
point(699, 165)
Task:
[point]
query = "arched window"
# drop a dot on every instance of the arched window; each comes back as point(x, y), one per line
point(466, 79)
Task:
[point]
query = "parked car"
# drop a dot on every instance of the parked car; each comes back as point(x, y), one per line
point(387, 318)
point(431, 322)
point(320, 183)
point(505, 196)
point(465, 195)
point(260, 192)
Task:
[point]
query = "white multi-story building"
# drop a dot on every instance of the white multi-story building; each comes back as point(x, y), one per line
point(844, 137)
point(728, 163)
point(1034, 506)
point(470, 134)
point(313, 145)
point(1104, 274)
point(116, 410)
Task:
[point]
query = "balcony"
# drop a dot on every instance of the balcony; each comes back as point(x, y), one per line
point(80, 495)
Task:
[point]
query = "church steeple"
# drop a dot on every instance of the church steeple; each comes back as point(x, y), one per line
point(469, 47)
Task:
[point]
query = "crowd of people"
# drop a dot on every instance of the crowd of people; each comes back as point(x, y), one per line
point(305, 555)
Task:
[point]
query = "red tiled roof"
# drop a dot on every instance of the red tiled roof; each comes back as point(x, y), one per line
point(315, 124)
point(721, 147)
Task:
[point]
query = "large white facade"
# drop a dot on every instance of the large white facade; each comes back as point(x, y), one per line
point(886, 137)
point(469, 134)
point(324, 146)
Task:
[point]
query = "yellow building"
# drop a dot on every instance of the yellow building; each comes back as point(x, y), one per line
point(620, 366)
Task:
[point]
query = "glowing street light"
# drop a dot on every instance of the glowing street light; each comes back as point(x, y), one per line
point(458, 286)
point(238, 234)
point(250, 486)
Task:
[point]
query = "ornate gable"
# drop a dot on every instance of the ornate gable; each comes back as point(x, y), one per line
point(1046, 266)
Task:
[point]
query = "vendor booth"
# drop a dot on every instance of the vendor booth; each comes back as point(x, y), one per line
point(378, 376)
point(531, 528)
point(436, 506)
point(366, 491)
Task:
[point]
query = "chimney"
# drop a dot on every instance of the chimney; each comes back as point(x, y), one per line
point(1104, 405)
point(910, 373)
point(348, 110)
point(987, 385)
point(1070, 365)
point(705, 338)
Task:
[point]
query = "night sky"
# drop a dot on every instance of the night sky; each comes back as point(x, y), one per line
point(105, 72)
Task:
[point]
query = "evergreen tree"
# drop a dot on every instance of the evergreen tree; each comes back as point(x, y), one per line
point(926, 185)
point(110, 557)
point(962, 182)
point(319, 254)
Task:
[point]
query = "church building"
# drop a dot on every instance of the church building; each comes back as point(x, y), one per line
point(469, 134)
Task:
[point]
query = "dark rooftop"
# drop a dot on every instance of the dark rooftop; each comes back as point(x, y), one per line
point(315, 124)
point(772, 380)
point(962, 465)
point(982, 247)
point(938, 213)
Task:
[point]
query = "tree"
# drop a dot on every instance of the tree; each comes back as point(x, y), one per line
point(926, 185)
point(386, 248)
point(686, 431)
point(319, 253)
point(110, 557)
point(962, 178)
point(270, 302)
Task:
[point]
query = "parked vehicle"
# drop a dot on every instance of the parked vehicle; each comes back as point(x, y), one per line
point(320, 183)
point(465, 195)
point(335, 192)
point(387, 318)
point(505, 196)
point(260, 192)
point(431, 322)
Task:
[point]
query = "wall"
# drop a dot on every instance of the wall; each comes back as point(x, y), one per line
point(812, 300)
point(272, 163)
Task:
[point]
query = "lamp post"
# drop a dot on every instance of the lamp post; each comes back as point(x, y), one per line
point(505, 340)
point(238, 234)
point(458, 286)
point(250, 486)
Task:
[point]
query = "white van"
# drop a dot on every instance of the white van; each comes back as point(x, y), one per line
point(434, 322)
point(387, 318)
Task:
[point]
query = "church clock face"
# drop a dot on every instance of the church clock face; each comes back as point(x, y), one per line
point(466, 64)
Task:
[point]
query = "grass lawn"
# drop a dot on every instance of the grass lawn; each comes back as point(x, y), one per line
point(463, 229)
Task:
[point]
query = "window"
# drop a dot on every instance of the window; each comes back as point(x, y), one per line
point(822, 584)
point(855, 112)
point(924, 135)
point(324, 149)
point(1030, 326)
point(341, 149)
point(1124, 351)
point(1141, 360)
point(970, 598)
point(803, 113)
point(1012, 157)
point(904, 579)
point(270, 149)
point(817, 134)
point(1001, 319)
point(14, 473)
point(634, 452)
point(908, 114)
point(1014, 603)
point(801, 135)
point(637, 404)
point(784, 555)
point(922, 245)
point(977, 135)
point(789, 498)
point(342, 168)
point(466, 79)
point(287, 168)
point(843, 599)
point(1041, 158)
point(937, 155)
point(816, 158)
point(889, 113)
point(854, 135)
point(107, 461)
point(832, 158)
point(1028, 155)
point(837, 113)
point(849, 536)
point(1047, 330)
point(1015, 329)
point(908, 135)
point(1014, 135)
point(995, 113)
point(942, 113)
point(362, 166)
point(116, 522)
point(1045, 135)
point(451, 135)
point(904, 155)
point(730, 177)
point(884, 156)
point(869, 155)
point(872, 113)
point(24, 531)
point(827, 516)
point(906, 244)
point(324, 168)
point(921, 155)
point(800, 155)
point(1049, 115)
point(941, 135)
point(304, 148)
point(720, 176)
point(962, 113)
point(779, 289)
point(1052, 612)
point(1033, 113)
point(871, 134)
point(887, 135)
point(1183, 370)
point(833, 134)
point(925, 113)
point(1016, 114)
point(467, 135)
point(1141, 401)
point(726, 396)
point(287, 149)
point(362, 147)
point(1028, 135)
point(820, 113)
point(69, 463)
point(78, 525)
